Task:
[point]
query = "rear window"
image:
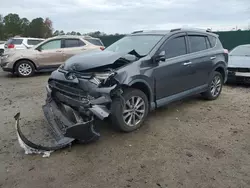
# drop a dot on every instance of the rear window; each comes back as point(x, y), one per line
point(15, 41)
point(33, 41)
point(96, 42)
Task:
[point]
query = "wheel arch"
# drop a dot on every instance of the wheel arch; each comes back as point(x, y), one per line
point(145, 88)
point(23, 59)
point(221, 68)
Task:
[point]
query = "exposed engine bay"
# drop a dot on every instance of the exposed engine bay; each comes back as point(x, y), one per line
point(77, 95)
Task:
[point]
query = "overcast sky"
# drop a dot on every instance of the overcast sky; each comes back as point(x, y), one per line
point(124, 16)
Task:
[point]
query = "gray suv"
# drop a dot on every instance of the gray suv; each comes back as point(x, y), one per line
point(140, 72)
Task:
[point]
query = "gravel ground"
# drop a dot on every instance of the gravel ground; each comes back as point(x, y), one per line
point(192, 143)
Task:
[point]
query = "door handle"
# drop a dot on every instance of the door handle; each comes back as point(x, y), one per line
point(187, 63)
point(59, 51)
point(212, 58)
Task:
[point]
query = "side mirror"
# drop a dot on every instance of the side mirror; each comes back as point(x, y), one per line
point(38, 49)
point(161, 56)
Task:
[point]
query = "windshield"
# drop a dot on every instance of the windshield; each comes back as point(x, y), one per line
point(241, 51)
point(142, 44)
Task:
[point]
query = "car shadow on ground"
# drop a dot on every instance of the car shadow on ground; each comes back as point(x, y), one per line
point(237, 84)
point(168, 110)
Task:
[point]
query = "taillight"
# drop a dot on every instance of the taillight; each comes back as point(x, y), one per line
point(226, 51)
point(102, 48)
point(11, 46)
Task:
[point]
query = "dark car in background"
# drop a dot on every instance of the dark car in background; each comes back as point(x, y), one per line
point(239, 64)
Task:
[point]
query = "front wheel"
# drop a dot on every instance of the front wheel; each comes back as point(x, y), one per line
point(215, 87)
point(129, 111)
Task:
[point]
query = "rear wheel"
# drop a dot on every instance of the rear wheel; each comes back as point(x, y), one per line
point(129, 111)
point(24, 68)
point(215, 87)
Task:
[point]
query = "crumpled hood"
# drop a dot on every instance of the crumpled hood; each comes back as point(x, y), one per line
point(239, 62)
point(94, 59)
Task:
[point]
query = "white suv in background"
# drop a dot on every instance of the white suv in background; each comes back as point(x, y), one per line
point(22, 42)
point(1, 47)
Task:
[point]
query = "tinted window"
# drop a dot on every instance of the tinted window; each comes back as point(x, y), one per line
point(212, 41)
point(175, 47)
point(54, 44)
point(241, 51)
point(81, 43)
point(33, 41)
point(71, 43)
point(197, 43)
point(14, 41)
point(142, 44)
point(95, 41)
point(208, 43)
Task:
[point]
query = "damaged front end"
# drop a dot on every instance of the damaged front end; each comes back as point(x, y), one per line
point(75, 99)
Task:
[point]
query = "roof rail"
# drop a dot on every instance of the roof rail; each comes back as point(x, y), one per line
point(137, 32)
point(208, 30)
point(173, 30)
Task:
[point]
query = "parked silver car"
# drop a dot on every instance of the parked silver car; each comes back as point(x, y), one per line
point(239, 64)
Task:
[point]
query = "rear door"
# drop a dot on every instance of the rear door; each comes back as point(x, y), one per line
point(50, 54)
point(201, 57)
point(72, 47)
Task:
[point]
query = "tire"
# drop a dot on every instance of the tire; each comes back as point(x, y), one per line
point(216, 80)
point(136, 117)
point(25, 68)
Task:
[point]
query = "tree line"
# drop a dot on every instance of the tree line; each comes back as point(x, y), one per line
point(12, 25)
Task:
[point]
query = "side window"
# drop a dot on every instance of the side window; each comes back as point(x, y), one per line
point(81, 43)
point(33, 41)
point(197, 43)
point(175, 47)
point(71, 43)
point(54, 44)
point(96, 42)
point(208, 43)
point(212, 40)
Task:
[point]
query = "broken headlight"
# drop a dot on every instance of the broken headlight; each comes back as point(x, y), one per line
point(103, 78)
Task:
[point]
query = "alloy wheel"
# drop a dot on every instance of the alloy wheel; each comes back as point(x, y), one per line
point(134, 111)
point(25, 69)
point(216, 85)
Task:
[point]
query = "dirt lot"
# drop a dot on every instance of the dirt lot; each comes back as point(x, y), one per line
point(193, 143)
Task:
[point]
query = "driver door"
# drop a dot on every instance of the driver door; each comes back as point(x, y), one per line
point(174, 74)
point(50, 54)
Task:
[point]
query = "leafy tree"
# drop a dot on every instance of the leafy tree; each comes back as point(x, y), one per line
point(1, 27)
point(48, 29)
point(68, 33)
point(78, 33)
point(36, 28)
point(56, 33)
point(61, 32)
point(12, 25)
point(24, 26)
point(73, 33)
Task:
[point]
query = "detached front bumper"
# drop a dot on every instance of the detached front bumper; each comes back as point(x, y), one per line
point(72, 106)
point(70, 112)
